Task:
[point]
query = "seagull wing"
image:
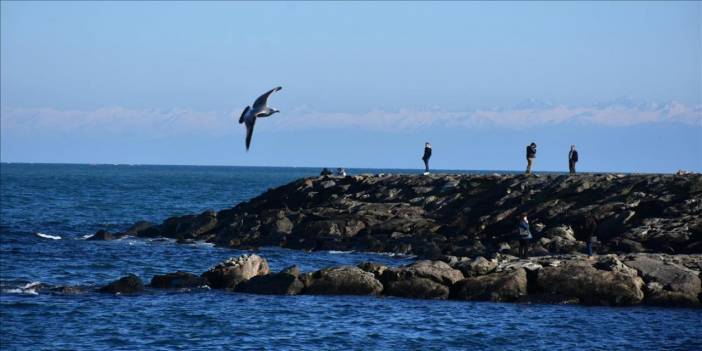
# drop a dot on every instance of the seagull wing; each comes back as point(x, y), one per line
point(241, 119)
point(249, 134)
point(262, 101)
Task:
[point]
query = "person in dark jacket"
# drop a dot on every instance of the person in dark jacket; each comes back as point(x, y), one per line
point(426, 157)
point(524, 236)
point(530, 156)
point(572, 159)
point(588, 229)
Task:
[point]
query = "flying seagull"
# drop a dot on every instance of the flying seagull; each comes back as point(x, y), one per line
point(260, 109)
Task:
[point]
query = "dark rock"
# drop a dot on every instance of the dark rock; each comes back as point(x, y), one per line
point(177, 280)
point(501, 286)
point(344, 280)
point(140, 229)
point(228, 274)
point(417, 288)
point(102, 235)
point(67, 290)
point(460, 215)
point(285, 282)
point(126, 285)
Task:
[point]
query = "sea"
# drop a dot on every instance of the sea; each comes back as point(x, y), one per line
point(48, 210)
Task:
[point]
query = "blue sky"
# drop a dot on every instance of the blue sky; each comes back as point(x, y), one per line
point(364, 84)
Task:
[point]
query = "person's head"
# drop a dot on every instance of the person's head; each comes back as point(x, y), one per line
point(427, 144)
point(572, 147)
point(523, 215)
point(532, 144)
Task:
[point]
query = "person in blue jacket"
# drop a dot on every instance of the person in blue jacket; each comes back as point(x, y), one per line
point(524, 236)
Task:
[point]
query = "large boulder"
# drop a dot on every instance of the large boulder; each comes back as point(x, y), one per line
point(478, 266)
point(285, 282)
point(228, 274)
point(667, 284)
point(437, 271)
point(581, 280)
point(344, 280)
point(501, 286)
point(422, 280)
point(177, 280)
point(126, 285)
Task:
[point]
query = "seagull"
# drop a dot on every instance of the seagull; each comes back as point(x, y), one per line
point(260, 109)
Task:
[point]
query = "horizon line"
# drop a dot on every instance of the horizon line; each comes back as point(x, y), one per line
point(420, 170)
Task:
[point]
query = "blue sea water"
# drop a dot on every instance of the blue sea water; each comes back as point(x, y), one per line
point(46, 211)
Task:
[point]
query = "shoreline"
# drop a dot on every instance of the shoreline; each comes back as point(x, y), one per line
point(461, 228)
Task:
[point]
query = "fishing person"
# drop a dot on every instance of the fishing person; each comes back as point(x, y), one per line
point(426, 157)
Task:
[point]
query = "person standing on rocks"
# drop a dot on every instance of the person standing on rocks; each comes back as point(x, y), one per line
point(524, 236)
point(530, 156)
point(426, 157)
point(572, 159)
point(587, 230)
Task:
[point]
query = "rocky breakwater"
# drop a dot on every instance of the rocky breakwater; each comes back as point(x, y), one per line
point(614, 280)
point(460, 215)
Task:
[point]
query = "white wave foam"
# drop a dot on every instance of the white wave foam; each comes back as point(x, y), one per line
point(28, 289)
point(204, 244)
point(335, 252)
point(48, 236)
point(86, 236)
point(394, 254)
point(30, 285)
point(20, 291)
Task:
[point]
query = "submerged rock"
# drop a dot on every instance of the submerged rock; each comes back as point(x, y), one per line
point(126, 285)
point(102, 235)
point(177, 280)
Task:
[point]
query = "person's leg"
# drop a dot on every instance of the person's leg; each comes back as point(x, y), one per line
point(589, 248)
point(526, 248)
point(528, 170)
point(426, 165)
